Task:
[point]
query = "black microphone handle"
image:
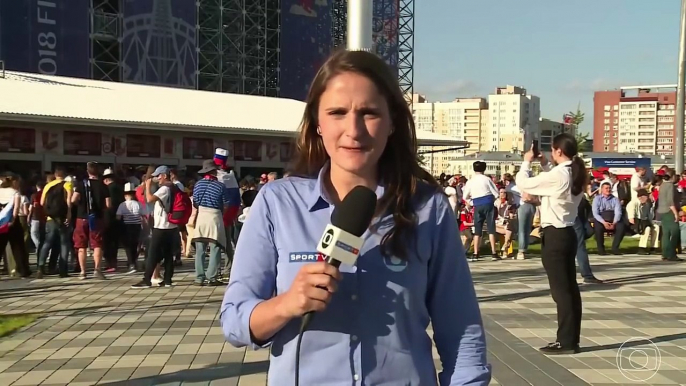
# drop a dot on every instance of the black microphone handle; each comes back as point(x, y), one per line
point(307, 318)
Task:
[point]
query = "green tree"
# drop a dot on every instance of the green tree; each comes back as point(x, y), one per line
point(576, 119)
point(422, 159)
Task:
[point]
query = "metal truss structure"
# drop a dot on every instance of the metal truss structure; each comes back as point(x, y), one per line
point(393, 36)
point(106, 30)
point(238, 46)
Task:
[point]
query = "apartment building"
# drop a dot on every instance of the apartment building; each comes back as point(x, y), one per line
point(513, 119)
point(637, 119)
point(549, 129)
point(459, 119)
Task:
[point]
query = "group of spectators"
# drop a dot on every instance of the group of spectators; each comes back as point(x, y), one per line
point(68, 219)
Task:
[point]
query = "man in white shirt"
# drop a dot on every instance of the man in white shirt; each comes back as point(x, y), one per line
point(638, 182)
point(483, 192)
point(165, 235)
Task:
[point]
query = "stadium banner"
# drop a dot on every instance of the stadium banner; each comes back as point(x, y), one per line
point(305, 44)
point(48, 37)
point(620, 166)
point(385, 31)
point(159, 42)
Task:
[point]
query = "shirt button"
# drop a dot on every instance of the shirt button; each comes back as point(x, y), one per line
point(354, 337)
point(354, 297)
point(356, 377)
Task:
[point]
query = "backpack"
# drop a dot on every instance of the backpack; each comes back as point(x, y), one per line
point(55, 202)
point(181, 207)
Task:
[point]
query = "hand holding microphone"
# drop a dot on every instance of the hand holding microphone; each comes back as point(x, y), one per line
point(312, 289)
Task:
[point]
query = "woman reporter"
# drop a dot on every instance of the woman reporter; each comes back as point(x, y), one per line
point(561, 190)
point(371, 327)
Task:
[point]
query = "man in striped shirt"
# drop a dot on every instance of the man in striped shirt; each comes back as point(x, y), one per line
point(212, 199)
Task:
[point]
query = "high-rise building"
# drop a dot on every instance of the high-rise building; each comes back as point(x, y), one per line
point(635, 119)
point(459, 119)
point(514, 119)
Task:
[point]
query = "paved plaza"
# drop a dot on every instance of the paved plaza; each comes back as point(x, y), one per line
point(105, 333)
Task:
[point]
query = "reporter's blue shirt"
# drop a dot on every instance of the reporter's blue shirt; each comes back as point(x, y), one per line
point(374, 331)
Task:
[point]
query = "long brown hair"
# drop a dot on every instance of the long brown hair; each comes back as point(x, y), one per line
point(399, 166)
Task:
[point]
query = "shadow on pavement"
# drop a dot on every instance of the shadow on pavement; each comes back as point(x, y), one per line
point(207, 374)
point(634, 343)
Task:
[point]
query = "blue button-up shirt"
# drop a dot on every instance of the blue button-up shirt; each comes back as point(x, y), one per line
point(609, 203)
point(373, 331)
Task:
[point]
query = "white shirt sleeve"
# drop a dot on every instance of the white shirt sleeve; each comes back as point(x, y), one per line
point(544, 184)
point(636, 182)
point(163, 194)
point(467, 191)
point(493, 188)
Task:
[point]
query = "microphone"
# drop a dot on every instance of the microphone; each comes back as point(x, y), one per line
point(342, 239)
point(341, 242)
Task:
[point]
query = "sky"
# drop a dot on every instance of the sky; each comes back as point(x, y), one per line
point(560, 51)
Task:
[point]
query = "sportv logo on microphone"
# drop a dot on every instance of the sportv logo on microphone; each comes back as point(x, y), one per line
point(328, 238)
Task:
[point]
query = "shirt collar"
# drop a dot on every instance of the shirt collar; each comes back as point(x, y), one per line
point(319, 197)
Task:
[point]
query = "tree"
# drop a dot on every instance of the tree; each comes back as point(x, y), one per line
point(422, 159)
point(576, 118)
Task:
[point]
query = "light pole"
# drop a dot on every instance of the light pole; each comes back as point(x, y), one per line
point(360, 18)
point(681, 95)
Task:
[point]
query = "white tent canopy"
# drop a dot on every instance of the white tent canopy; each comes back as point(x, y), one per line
point(54, 99)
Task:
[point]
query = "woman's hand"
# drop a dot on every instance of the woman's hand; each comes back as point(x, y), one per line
point(311, 290)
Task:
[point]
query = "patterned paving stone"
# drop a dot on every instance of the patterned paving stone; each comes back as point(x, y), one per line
point(105, 333)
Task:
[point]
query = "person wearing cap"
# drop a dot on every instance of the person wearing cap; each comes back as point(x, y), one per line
point(607, 217)
point(211, 199)
point(482, 192)
point(113, 227)
point(164, 234)
point(228, 178)
point(640, 213)
point(129, 212)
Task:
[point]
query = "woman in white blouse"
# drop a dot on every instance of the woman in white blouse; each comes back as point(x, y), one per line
point(15, 234)
point(561, 189)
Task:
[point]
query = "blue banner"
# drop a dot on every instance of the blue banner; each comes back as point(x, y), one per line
point(46, 36)
point(622, 163)
point(159, 42)
point(305, 44)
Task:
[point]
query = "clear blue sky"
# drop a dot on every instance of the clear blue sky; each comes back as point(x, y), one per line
point(561, 51)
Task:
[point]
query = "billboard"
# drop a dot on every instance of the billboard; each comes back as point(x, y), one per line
point(48, 37)
point(159, 42)
point(620, 166)
point(305, 44)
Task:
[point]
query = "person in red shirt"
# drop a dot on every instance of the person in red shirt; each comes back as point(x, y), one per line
point(466, 224)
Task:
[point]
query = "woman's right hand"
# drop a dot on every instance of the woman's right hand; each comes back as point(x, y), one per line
point(311, 290)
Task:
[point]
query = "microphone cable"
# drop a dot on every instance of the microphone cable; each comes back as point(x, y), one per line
point(303, 326)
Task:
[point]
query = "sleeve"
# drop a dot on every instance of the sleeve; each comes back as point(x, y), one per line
point(163, 194)
point(467, 191)
point(618, 212)
point(635, 182)
point(544, 184)
point(121, 208)
point(453, 307)
point(631, 209)
point(253, 275)
point(196, 196)
point(493, 189)
point(596, 209)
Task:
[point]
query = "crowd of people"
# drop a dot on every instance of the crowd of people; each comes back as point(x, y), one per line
point(614, 206)
point(156, 213)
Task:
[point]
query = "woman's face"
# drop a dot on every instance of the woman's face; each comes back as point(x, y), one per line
point(355, 123)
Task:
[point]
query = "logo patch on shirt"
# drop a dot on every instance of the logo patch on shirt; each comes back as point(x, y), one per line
point(305, 257)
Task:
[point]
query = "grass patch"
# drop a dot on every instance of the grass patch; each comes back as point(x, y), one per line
point(628, 245)
point(11, 323)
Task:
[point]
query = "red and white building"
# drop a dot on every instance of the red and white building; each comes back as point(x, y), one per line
point(637, 119)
